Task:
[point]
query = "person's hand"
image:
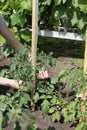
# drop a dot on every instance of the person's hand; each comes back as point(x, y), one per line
point(43, 74)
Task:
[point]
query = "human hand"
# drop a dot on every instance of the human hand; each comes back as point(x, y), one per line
point(43, 74)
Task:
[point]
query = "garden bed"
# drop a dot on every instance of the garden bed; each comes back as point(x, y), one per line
point(44, 120)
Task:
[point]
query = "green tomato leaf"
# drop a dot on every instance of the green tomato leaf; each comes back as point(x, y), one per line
point(1, 119)
point(51, 110)
point(74, 19)
point(57, 2)
point(54, 100)
point(8, 117)
point(80, 126)
point(65, 112)
point(36, 97)
point(17, 126)
point(26, 35)
point(43, 96)
point(32, 126)
point(56, 116)
point(54, 80)
point(80, 24)
point(45, 105)
point(18, 19)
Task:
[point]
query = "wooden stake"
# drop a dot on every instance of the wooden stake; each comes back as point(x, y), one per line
point(34, 43)
point(84, 94)
point(85, 55)
point(34, 31)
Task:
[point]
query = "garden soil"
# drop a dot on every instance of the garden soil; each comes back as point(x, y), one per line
point(43, 120)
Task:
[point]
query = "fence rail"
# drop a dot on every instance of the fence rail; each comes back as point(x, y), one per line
point(60, 34)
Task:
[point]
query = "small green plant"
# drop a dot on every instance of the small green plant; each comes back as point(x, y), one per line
point(50, 99)
point(7, 50)
point(17, 104)
point(46, 95)
point(55, 104)
point(76, 83)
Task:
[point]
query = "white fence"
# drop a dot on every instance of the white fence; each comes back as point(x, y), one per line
point(60, 34)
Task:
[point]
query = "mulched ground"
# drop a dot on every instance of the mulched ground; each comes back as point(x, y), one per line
point(43, 120)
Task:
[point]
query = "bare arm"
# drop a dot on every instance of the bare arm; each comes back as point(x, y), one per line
point(16, 45)
point(10, 82)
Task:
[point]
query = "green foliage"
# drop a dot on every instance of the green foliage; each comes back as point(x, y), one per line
point(6, 50)
point(44, 60)
point(45, 105)
point(81, 126)
point(33, 126)
point(17, 126)
point(17, 104)
point(51, 100)
point(61, 13)
point(1, 119)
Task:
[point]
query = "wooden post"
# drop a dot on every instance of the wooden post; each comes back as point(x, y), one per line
point(34, 43)
point(84, 94)
point(85, 55)
point(34, 31)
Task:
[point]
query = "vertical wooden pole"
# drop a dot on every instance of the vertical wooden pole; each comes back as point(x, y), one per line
point(34, 31)
point(85, 55)
point(34, 43)
point(84, 94)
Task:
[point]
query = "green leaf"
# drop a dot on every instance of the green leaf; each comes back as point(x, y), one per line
point(26, 4)
point(54, 100)
point(65, 113)
point(43, 96)
point(45, 105)
point(18, 19)
point(83, 8)
point(17, 126)
point(64, 1)
point(26, 35)
point(80, 126)
point(62, 72)
point(1, 119)
point(54, 80)
point(6, 50)
point(80, 24)
point(56, 116)
point(36, 97)
point(47, 2)
point(51, 110)
point(75, 3)
point(63, 75)
point(49, 96)
point(8, 117)
point(74, 19)
point(32, 126)
point(27, 113)
point(57, 2)
point(2, 40)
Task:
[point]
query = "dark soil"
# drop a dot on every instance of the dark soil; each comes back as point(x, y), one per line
point(43, 120)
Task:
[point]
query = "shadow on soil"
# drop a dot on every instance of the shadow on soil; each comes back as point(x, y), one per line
point(66, 48)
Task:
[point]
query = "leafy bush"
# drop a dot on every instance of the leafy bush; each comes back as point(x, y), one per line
point(65, 13)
